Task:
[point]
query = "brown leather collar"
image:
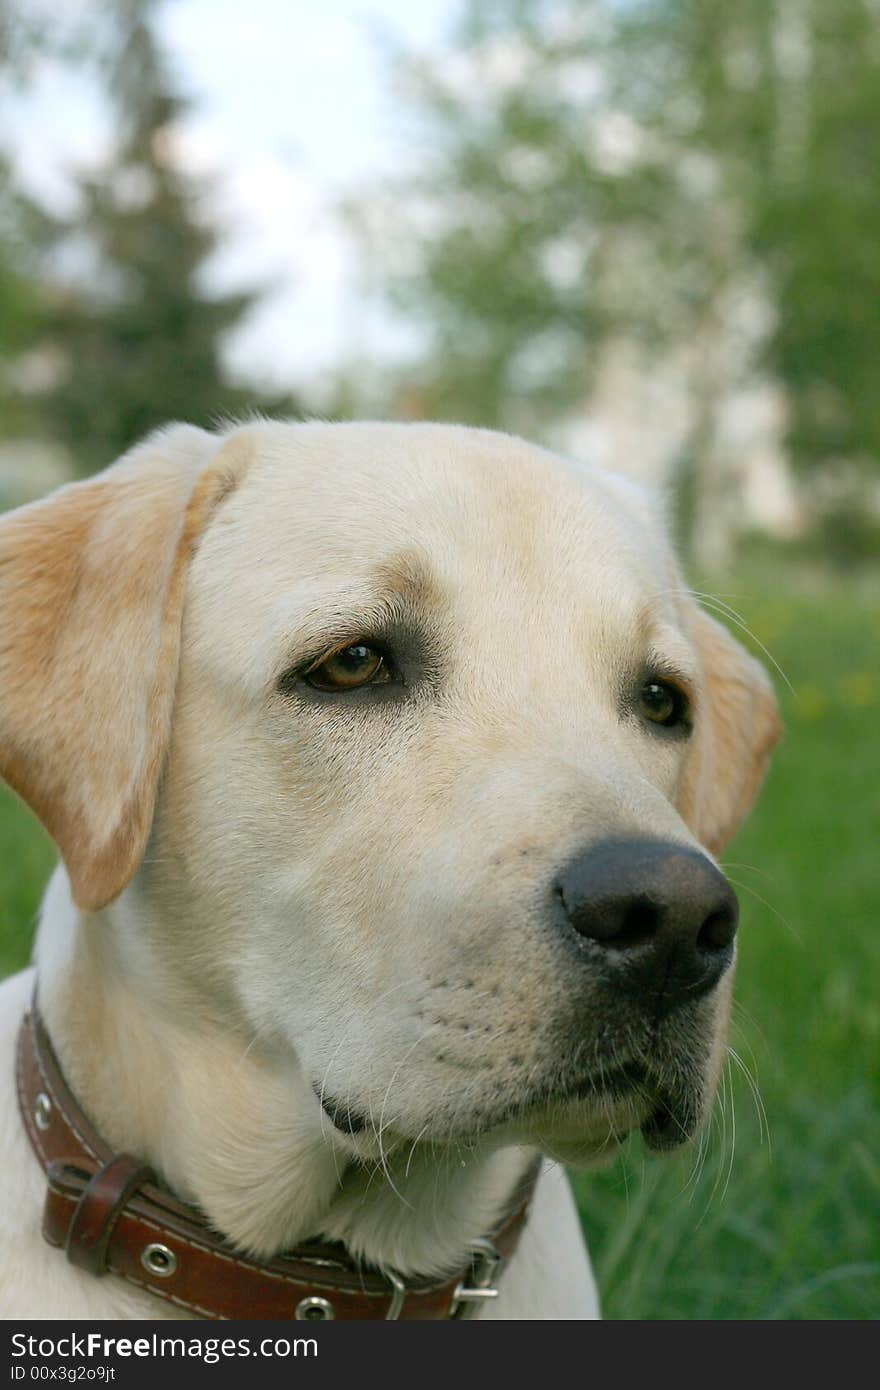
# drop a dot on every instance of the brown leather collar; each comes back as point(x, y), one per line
point(109, 1214)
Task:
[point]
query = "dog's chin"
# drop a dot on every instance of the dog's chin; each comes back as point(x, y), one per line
point(586, 1121)
point(581, 1126)
point(579, 1135)
point(590, 1134)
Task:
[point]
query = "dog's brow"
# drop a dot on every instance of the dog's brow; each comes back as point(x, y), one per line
point(669, 656)
point(667, 650)
point(399, 591)
point(660, 665)
point(406, 578)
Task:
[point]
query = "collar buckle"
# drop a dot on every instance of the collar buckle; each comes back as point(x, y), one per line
point(469, 1296)
point(397, 1297)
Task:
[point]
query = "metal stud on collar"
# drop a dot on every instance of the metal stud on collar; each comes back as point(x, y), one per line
point(42, 1111)
point(314, 1309)
point(159, 1260)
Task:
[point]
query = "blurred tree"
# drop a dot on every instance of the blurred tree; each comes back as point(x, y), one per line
point(817, 226)
point(667, 174)
point(584, 175)
point(136, 333)
point(492, 240)
point(23, 302)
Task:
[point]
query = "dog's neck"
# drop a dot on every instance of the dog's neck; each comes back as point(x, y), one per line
point(233, 1126)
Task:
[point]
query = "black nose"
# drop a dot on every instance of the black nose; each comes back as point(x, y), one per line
point(663, 917)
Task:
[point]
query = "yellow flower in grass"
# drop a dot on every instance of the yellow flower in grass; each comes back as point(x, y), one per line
point(812, 703)
point(861, 688)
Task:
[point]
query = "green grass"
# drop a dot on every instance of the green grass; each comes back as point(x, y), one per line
point(789, 1228)
point(26, 859)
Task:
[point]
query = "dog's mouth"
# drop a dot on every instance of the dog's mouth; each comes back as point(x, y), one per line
point(671, 1119)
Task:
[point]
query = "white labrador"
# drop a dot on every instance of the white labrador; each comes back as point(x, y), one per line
point(350, 737)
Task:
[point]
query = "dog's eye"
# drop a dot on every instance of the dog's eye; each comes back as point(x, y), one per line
point(663, 703)
point(349, 668)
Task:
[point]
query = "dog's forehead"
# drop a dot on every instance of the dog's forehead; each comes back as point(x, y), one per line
point(358, 494)
point(327, 512)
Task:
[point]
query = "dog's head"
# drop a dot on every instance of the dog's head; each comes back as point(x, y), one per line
point(412, 754)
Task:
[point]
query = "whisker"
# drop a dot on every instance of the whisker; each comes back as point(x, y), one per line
point(735, 864)
point(717, 605)
point(747, 888)
point(742, 1016)
point(413, 1147)
point(732, 1135)
point(720, 1111)
point(724, 610)
point(751, 1081)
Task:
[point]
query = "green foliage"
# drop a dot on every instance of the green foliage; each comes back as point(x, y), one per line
point(494, 229)
point(584, 161)
point(24, 301)
point(23, 304)
point(26, 859)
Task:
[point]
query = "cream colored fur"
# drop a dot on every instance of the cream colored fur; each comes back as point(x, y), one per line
point(268, 897)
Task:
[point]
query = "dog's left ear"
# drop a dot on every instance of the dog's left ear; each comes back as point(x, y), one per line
point(91, 596)
point(736, 729)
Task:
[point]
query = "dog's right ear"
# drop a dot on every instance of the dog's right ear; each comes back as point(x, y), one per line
point(91, 595)
point(736, 732)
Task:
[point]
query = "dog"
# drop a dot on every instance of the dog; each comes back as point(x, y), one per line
point(387, 764)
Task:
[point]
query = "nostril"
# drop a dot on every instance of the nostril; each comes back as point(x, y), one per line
point(623, 923)
point(717, 931)
point(639, 922)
